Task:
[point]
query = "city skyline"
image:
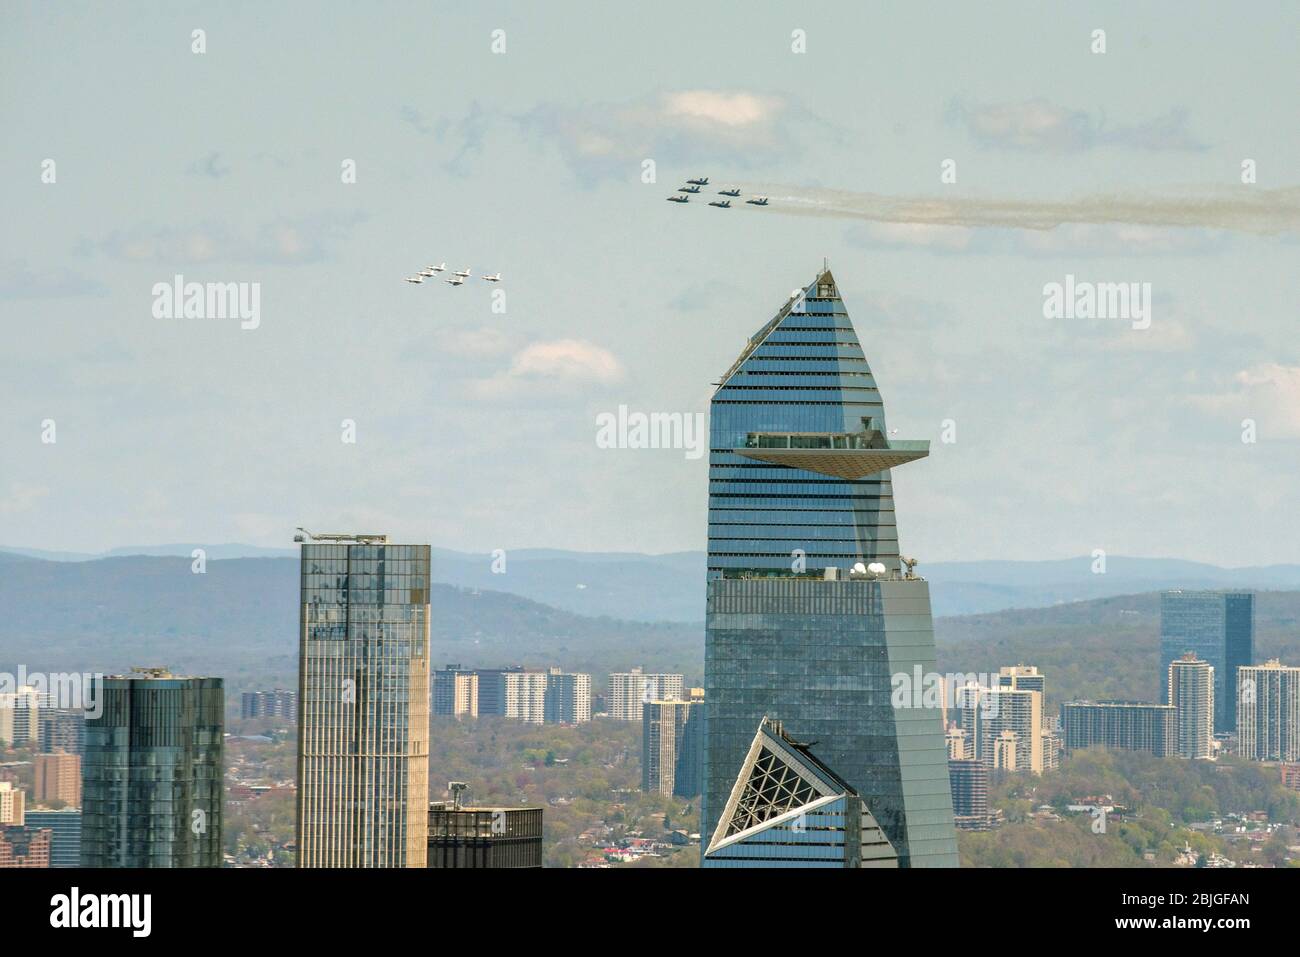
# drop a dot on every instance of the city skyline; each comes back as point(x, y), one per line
point(601, 348)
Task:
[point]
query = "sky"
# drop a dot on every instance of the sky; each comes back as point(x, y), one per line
point(476, 428)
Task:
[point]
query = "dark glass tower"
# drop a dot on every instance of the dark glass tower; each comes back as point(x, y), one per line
point(1220, 628)
point(151, 785)
point(799, 493)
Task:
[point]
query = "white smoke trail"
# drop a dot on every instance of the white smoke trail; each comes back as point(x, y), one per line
point(1246, 209)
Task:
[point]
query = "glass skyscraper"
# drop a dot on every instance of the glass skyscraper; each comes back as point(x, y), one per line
point(363, 703)
point(152, 774)
point(800, 494)
point(1219, 627)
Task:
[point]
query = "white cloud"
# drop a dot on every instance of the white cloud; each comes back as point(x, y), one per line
point(556, 365)
point(1267, 392)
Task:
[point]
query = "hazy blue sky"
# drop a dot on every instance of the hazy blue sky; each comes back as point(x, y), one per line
point(477, 430)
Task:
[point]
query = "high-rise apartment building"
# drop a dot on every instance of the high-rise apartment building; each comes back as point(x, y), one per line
point(1022, 678)
point(1268, 712)
point(525, 695)
point(1191, 692)
point(363, 701)
point(1219, 628)
point(969, 780)
point(277, 703)
point(63, 729)
point(455, 692)
point(811, 609)
point(11, 804)
point(20, 720)
point(568, 697)
point(492, 689)
point(629, 690)
point(65, 834)
point(57, 777)
point(152, 772)
point(1119, 725)
point(24, 847)
point(672, 742)
point(1003, 724)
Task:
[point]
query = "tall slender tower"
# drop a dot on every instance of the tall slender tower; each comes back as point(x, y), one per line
point(363, 703)
point(1191, 692)
point(810, 613)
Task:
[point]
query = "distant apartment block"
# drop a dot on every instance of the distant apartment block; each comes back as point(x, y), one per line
point(11, 804)
point(24, 847)
point(672, 742)
point(65, 834)
point(1268, 712)
point(1052, 747)
point(1219, 628)
point(63, 729)
point(278, 703)
point(568, 697)
point(57, 777)
point(1119, 725)
point(455, 692)
point(20, 717)
point(492, 689)
point(959, 744)
point(525, 695)
point(969, 780)
point(631, 689)
point(1004, 725)
point(1191, 692)
point(1022, 678)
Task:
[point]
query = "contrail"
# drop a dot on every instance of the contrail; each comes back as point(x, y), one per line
point(1247, 209)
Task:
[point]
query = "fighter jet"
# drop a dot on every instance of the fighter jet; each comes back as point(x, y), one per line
point(496, 278)
point(700, 181)
point(729, 191)
point(757, 201)
point(416, 278)
point(688, 189)
point(464, 273)
point(724, 204)
point(679, 199)
point(439, 268)
point(456, 280)
point(427, 273)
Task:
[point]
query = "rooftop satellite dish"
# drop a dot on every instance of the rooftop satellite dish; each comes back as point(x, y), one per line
point(876, 568)
point(860, 568)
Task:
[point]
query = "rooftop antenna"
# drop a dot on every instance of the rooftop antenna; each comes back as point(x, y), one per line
point(457, 788)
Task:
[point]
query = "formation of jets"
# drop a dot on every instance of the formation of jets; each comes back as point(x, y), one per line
point(457, 278)
point(693, 186)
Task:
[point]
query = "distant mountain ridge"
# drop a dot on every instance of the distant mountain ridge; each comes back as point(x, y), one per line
point(670, 587)
point(240, 620)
